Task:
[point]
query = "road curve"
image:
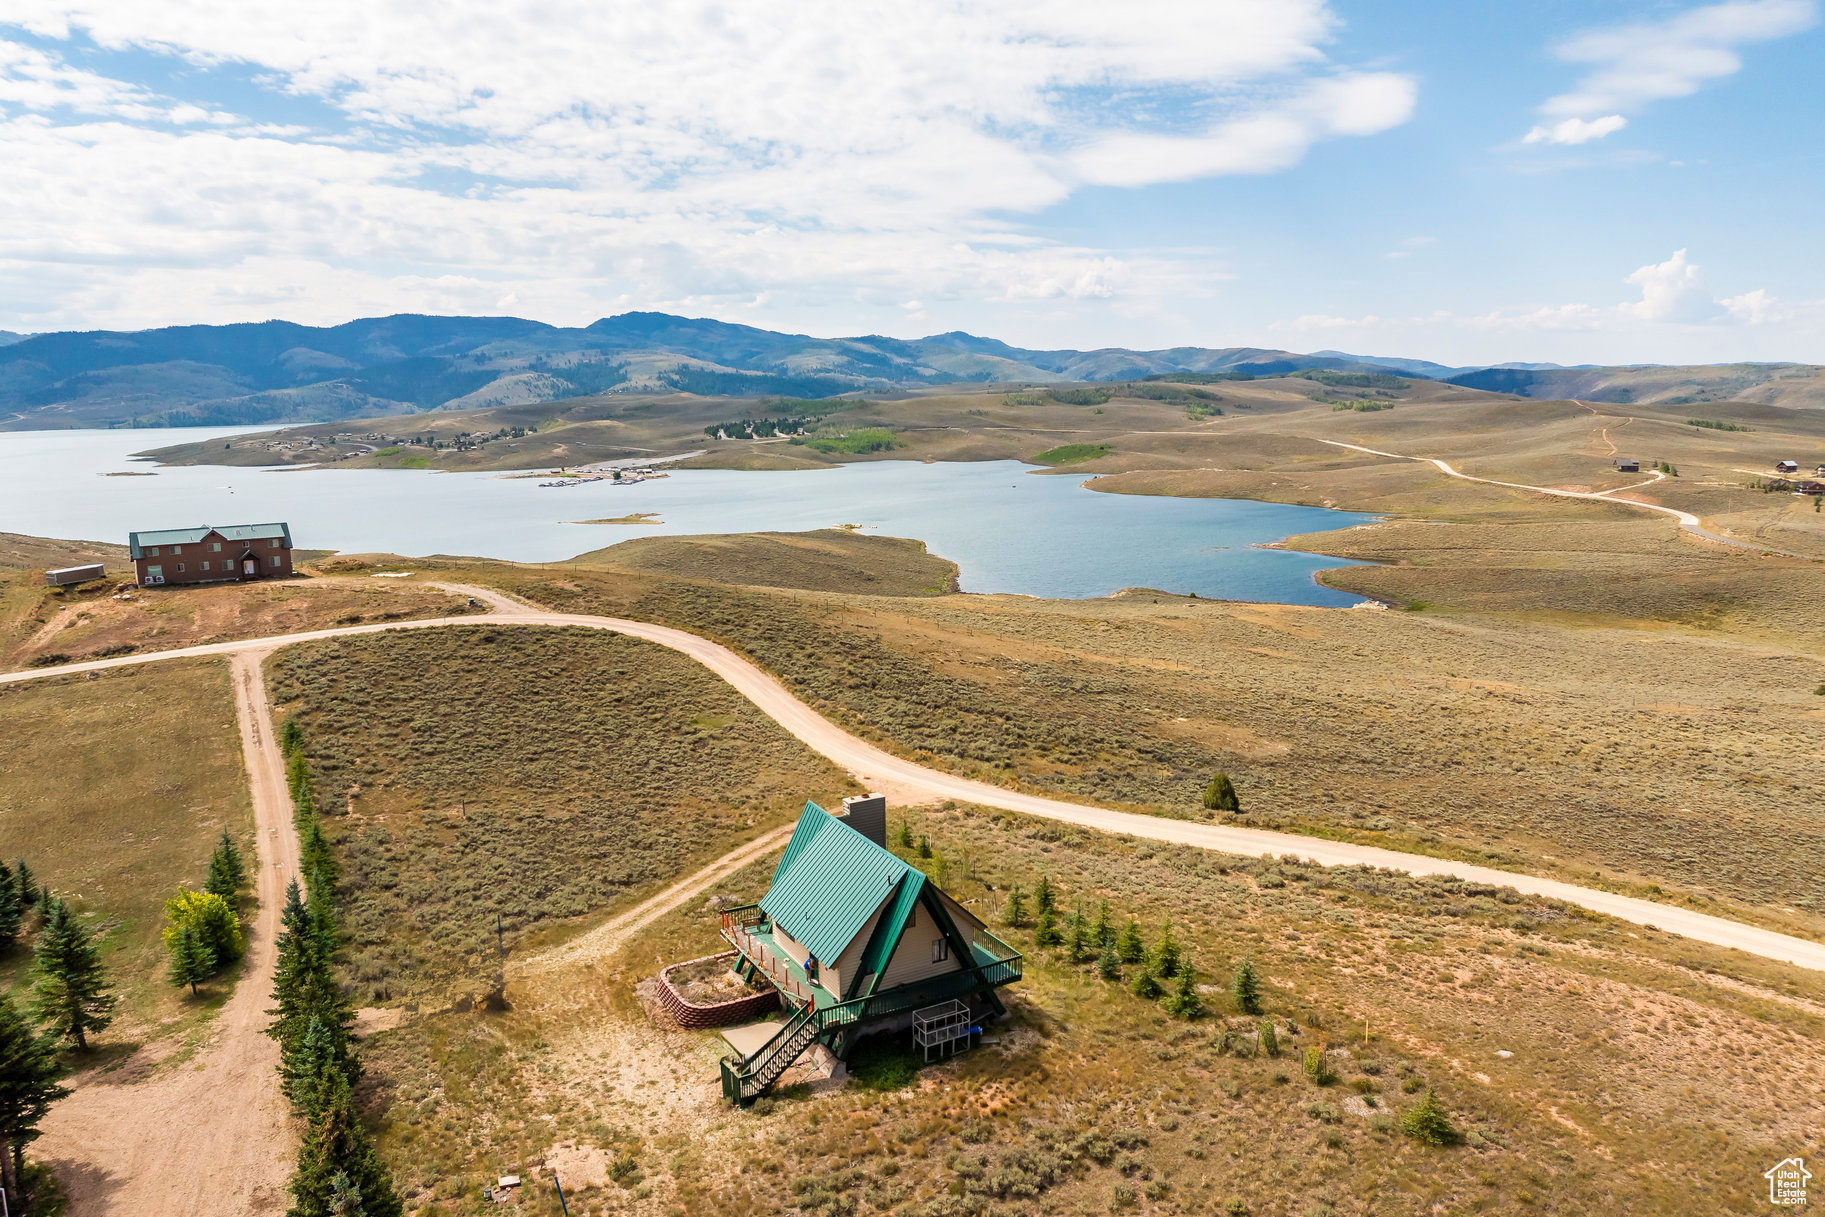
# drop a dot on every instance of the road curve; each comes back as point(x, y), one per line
point(1687, 520)
point(879, 769)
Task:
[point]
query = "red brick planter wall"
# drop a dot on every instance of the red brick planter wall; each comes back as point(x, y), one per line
point(693, 1017)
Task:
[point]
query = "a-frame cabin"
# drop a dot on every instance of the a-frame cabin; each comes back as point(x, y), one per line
point(858, 942)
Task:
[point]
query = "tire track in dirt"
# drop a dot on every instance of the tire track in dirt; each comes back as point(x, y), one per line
point(210, 1136)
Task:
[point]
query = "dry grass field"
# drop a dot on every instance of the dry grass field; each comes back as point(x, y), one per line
point(114, 788)
point(828, 558)
point(1589, 1068)
point(537, 776)
point(41, 625)
point(1624, 754)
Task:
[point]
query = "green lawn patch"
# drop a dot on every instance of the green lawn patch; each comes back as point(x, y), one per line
point(1071, 454)
point(855, 443)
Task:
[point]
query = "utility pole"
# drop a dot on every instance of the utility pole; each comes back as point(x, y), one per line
point(561, 1202)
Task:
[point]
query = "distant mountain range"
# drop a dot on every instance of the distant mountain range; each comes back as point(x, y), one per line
point(275, 371)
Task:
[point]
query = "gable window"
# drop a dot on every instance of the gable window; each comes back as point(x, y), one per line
point(941, 949)
point(215, 547)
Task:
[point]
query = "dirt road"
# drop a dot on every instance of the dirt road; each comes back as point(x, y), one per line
point(208, 1136)
point(906, 781)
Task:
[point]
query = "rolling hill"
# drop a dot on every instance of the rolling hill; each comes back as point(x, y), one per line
point(280, 372)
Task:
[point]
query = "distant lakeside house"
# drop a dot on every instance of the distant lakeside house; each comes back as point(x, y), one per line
point(229, 553)
point(1628, 464)
point(857, 942)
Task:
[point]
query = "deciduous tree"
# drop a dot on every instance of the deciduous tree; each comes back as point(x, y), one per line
point(213, 921)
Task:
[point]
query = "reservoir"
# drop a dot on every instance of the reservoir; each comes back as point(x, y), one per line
point(1008, 527)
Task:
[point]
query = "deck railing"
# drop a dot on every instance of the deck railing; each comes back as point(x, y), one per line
point(745, 1079)
point(736, 924)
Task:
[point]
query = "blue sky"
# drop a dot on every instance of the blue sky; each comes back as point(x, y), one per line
point(1605, 181)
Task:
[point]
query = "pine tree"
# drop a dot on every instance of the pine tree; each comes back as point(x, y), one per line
point(1015, 914)
point(71, 996)
point(1186, 1002)
point(297, 775)
point(1426, 1121)
point(1103, 932)
point(1046, 934)
point(307, 1065)
point(29, 891)
point(227, 875)
point(28, 1086)
point(1130, 946)
point(192, 962)
point(1220, 795)
point(12, 910)
point(1145, 985)
point(925, 848)
point(1270, 1042)
point(1043, 899)
point(336, 1145)
point(1109, 964)
point(305, 990)
point(1080, 937)
point(291, 737)
point(1246, 988)
point(314, 855)
point(345, 1197)
point(906, 837)
point(1166, 954)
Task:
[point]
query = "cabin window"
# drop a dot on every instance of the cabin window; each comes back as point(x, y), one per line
point(215, 547)
point(273, 544)
point(205, 566)
point(180, 568)
point(153, 552)
point(941, 949)
point(156, 572)
point(274, 560)
point(175, 549)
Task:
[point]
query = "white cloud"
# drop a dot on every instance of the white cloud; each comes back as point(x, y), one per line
point(1634, 65)
point(1576, 130)
point(1268, 140)
point(1670, 291)
point(1753, 308)
point(664, 151)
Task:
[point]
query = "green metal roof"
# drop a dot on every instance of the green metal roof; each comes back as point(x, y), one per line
point(830, 882)
point(138, 541)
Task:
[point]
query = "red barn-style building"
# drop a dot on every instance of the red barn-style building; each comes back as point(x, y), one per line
point(235, 552)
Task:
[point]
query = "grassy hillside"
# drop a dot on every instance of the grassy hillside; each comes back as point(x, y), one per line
point(1578, 1062)
point(541, 776)
point(115, 788)
point(1647, 753)
point(827, 560)
point(41, 625)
